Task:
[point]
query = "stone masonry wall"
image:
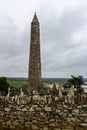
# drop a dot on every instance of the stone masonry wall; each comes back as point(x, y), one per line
point(48, 113)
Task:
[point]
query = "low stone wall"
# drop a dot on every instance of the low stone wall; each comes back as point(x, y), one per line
point(49, 114)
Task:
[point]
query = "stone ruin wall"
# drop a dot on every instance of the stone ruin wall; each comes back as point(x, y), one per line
point(43, 113)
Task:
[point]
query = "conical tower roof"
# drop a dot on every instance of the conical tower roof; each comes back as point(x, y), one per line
point(35, 19)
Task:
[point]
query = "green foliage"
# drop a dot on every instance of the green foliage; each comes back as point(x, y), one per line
point(67, 84)
point(76, 81)
point(4, 85)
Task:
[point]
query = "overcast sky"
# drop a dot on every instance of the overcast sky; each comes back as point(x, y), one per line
point(63, 37)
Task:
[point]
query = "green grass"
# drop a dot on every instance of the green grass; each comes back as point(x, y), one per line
point(20, 82)
point(16, 83)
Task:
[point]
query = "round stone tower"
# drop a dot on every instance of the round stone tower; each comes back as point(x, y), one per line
point(34, 74)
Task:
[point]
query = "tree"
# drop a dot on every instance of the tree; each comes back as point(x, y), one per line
point(4, 85)
point(76, 81)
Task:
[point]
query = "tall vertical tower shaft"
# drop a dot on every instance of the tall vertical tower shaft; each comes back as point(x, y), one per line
point(34, 60)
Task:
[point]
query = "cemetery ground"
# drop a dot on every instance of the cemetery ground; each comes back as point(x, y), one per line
point(48, 112)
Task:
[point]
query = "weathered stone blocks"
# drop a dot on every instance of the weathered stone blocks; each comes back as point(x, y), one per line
point(46, 116)
point(34, 79)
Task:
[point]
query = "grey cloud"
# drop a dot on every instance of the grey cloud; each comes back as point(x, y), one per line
point(63, 53)
point(60, 55)
point(13, 48)
point(9, 38)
